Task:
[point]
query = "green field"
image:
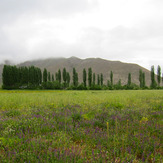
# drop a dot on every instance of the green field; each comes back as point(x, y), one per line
point(81, 126)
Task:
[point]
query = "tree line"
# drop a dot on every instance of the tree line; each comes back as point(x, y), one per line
point(33, 78)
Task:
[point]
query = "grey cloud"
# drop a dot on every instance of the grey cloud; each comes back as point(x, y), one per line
point(16, 24)
point(11, 9)
point(142, 44)
point(141, 37)
point(9, 49)
point(138, 44)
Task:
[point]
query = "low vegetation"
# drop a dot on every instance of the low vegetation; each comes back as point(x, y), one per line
point(81, 126)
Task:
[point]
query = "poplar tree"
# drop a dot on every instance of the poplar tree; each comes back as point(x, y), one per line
point(36, 74)
point(5, 75)
point(108, 83)
point(90, 77)
point(59, 76)
point(94, 79)
point(64, 75)
point(129, 79)
point(111, 78)
point(15, 73)
point(98, 80)
point(159, 75)
point(52, 77)
point(49, 76)
point(153, 82)
point(32, 77)
point(35, 82)
point(56, 76)
point(14, 77)
point(40, 72)
point(141, 78)
point(20, 75)
point(143, 82)
point(75, 77)
point(119, 83)
point(45, 75)
point(84, 77)
point(68, 78)
point(9, 76)
point(101, 79)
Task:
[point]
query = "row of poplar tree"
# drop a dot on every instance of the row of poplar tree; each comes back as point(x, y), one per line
point(32, 78)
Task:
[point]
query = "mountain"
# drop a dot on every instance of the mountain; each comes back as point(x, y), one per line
point(98, 65)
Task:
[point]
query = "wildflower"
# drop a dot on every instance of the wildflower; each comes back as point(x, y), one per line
point(144, 120)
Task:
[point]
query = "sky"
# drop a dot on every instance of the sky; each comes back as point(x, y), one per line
point(124, 30)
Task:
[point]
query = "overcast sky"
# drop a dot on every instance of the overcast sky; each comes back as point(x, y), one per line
point(124, 30)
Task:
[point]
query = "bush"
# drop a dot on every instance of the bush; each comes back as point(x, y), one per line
point(31, 86)
point(133, 86)
point(16, 86)
point(51, 85)
point(81, 87)
point(71, 87)
point(56, 85)
point(95, 87)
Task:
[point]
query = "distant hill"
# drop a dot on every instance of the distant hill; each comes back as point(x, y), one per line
point(98, 65)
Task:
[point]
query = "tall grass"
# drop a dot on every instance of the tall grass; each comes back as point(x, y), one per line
point(81, 126)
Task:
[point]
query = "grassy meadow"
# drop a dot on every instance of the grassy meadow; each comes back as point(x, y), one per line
point(81, 126)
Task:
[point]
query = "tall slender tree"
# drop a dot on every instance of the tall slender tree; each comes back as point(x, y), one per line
point(153, 82)
point(159, 75)
point(94, 79)
point(14, 77)
point(101, 79)
point(108, 83)
point(59, 76)
point(45, 75)
point(40, 76)
point(32, 77)
point(52, 77)
point(98, 80)
point(129, 79)
point(37, 76)
point(90, 77)
point(68, 78)
point(141, 78)
point(49, 76)
point(111, 78)
point(143, 82)
point(56, 76)
point(64, 75)
point(5, 76)
point(84, 77)
point(75, 78)
point(119, 83)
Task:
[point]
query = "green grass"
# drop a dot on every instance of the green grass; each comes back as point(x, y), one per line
point(81, 126)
